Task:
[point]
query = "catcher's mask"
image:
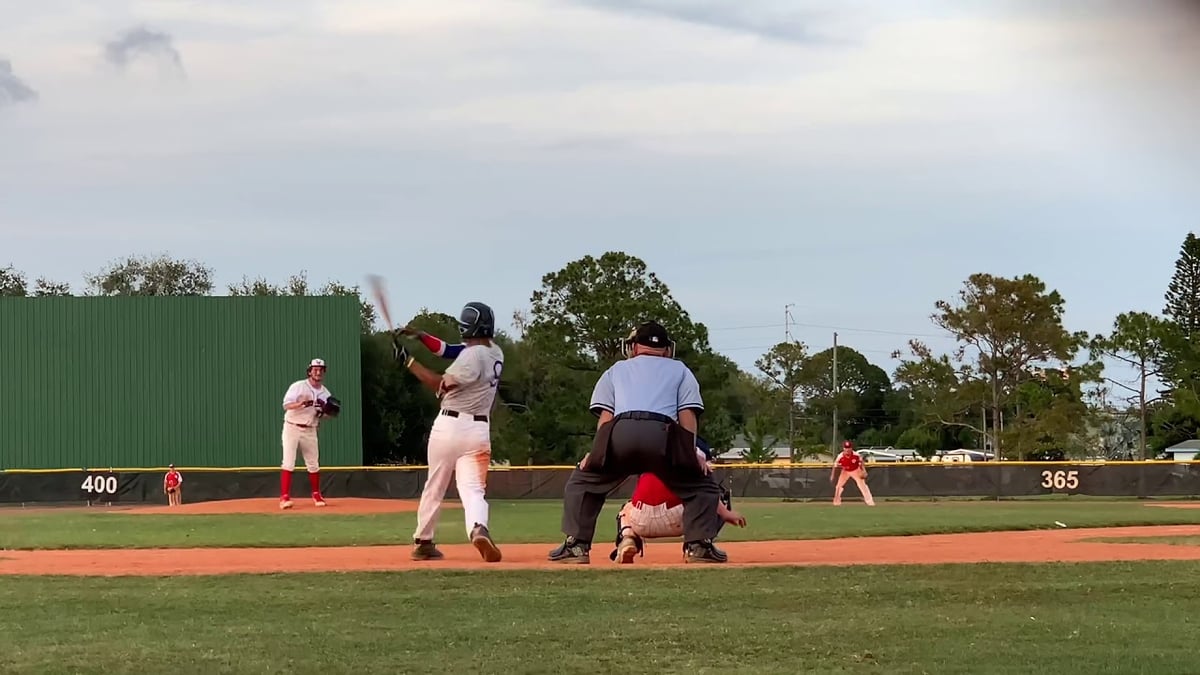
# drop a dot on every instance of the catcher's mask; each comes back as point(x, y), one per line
point(648, 334)
point(476, 320)
point(331, 407)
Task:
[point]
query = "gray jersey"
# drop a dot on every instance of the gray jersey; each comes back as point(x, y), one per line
point(477, 371)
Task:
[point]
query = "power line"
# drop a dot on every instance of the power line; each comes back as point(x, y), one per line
point(848, 329)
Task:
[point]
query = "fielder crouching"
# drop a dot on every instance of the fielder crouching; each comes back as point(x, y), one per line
point(654, 512)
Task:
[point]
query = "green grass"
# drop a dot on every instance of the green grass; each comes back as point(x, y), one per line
point(1064, 619)
point(538, 522)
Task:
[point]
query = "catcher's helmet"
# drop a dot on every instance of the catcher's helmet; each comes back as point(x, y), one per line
point(476, 321)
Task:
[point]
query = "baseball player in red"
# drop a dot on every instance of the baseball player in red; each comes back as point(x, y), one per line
point(852, 467)
point(173, 486)
point(654, 512)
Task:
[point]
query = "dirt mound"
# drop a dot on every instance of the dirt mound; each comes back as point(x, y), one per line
point(346, 506)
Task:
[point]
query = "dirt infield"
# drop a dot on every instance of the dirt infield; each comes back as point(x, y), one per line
point(1060, 545)
point(347, 506)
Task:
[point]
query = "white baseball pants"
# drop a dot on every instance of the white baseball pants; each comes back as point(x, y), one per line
point(305, 440)
point(653, 522)
point(462, 448)
point(858, 479)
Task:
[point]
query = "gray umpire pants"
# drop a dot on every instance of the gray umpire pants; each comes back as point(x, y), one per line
point(639, 446)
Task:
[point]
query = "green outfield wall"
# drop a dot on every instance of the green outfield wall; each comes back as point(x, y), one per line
point(95, 382)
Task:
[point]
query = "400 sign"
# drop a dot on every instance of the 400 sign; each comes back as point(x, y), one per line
point(1060, 480)
point(100, 487)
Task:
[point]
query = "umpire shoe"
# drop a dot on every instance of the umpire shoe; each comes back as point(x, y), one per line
point(572, 552)
point(703, 551)
point(482, 541)
point(423, 549)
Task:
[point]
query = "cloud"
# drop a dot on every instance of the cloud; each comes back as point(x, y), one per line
point(143, 42)
point(12, 89)
point(776, 21)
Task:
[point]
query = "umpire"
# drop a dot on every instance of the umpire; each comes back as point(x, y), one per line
point(648, 407)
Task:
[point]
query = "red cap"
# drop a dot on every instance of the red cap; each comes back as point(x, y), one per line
point(847, 444)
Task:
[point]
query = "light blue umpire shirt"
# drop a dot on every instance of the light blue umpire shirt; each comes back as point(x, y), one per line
point(647, 383)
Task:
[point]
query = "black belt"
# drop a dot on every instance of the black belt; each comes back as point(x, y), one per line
point(644, 415)
point(455, 413)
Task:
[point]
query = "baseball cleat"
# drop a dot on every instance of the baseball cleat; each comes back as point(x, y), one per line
point(318, 499)
point(571, 552)
point(285, 503)
point(627, 551)
point(482, 540)
point(426, 550)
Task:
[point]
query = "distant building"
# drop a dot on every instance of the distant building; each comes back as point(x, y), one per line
point(1183, 452)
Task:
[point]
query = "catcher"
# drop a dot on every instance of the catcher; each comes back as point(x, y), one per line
point(654, 512)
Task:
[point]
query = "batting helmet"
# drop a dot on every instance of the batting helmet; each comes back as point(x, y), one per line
point(476, 321)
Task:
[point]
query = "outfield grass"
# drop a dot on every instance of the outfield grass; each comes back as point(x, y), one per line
point(1063, 619)
point(538, 522)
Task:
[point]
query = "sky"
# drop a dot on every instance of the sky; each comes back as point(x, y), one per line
point(855, 160)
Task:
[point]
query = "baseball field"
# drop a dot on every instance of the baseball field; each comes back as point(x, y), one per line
point(1063, 586)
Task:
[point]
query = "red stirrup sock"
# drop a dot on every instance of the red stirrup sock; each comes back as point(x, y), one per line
point(314, 479)
point(285, 484)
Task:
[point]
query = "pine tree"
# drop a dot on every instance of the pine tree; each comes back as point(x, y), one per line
point(1183, 293)
point(1180, 361)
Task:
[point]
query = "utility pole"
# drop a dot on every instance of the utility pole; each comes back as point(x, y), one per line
point(791, 407)
point(835, 395)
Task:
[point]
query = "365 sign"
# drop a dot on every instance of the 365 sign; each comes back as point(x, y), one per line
point(1060, 480)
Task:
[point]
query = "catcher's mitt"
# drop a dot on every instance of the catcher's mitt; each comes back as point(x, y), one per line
point(330, 407)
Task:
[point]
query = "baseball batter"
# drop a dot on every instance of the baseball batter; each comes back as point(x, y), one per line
point(460, 444)
point(852, 467)
point(173, 486)
point(304, 405)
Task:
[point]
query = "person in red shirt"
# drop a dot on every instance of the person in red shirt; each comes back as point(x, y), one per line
point(852, 467)
point(173, 486)
point(654, 512)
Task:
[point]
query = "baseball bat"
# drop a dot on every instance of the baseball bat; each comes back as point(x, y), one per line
point(380, 293)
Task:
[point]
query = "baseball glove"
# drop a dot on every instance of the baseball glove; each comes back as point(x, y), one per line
point(330, 407)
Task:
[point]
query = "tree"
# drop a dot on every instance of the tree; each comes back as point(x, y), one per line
point(862, 390)
point(12, 282)
point(1137, 341)
point(592, 304)
point(1179, 362)
point(143, 275)
point(297, 285)
point(1005, 326)
point(758, 450)
point(574, 330)
point(43, 287)
point(932, 390)
point(783, 365)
